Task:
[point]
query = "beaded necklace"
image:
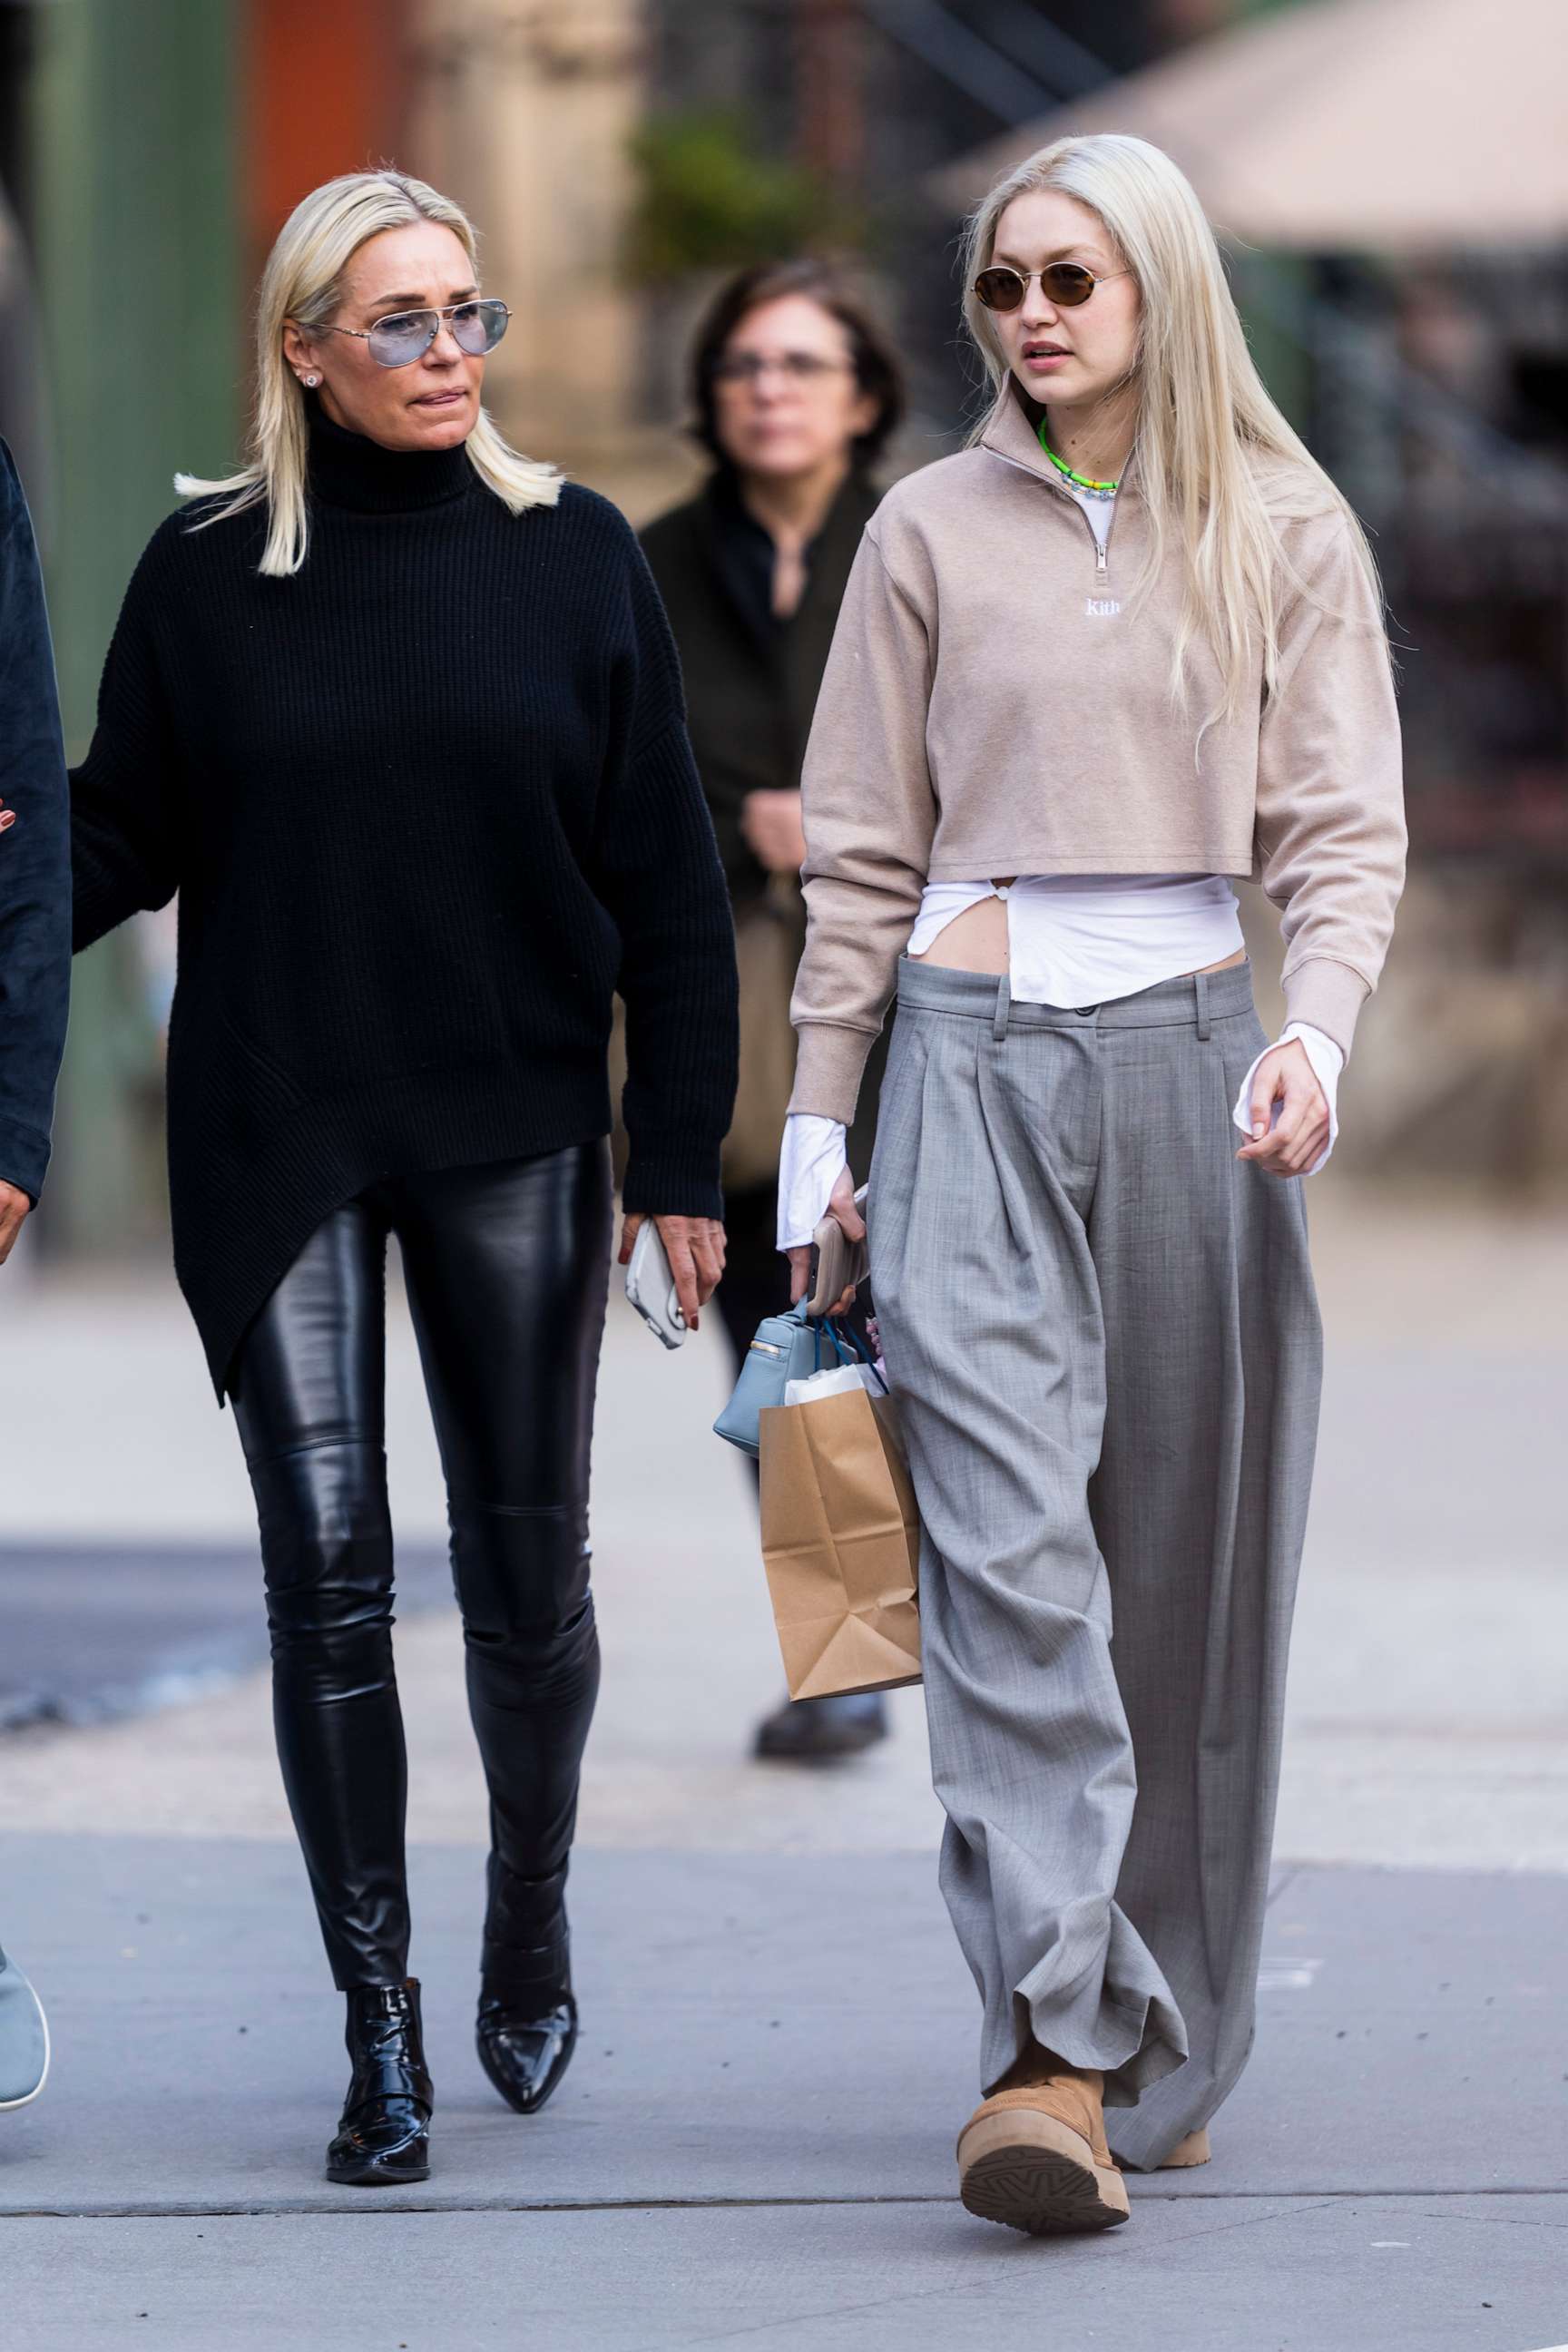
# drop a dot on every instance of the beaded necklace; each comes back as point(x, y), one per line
point(1097, 489)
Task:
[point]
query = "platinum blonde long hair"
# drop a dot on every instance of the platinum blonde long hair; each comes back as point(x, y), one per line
point(303, 281)
point(1219, 468)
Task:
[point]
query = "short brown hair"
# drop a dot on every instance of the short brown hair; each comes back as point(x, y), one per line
point(877, 368)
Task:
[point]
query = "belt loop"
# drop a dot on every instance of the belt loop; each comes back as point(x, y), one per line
point(1201, 984)
point(1004, 1007)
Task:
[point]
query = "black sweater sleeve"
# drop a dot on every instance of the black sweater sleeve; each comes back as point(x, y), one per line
point(35, 858)
point(657, 870)
point(124, 820)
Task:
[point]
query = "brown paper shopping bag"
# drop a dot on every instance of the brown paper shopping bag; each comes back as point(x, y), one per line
point(841, 1543)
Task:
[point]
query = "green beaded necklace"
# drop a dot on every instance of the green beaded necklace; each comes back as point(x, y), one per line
point(1100, 489)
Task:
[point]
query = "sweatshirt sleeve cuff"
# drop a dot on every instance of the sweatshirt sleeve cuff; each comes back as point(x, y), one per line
point(829, 1063)
point(1326, 995)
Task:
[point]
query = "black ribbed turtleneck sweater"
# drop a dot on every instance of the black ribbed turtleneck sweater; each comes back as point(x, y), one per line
point(427, 804)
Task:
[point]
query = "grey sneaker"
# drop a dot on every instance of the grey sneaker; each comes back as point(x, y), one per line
point(24, 2038)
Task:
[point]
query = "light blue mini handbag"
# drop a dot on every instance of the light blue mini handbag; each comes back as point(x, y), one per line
point(786, 1347)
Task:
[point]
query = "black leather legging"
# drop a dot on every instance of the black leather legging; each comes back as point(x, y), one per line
point(507, 1267)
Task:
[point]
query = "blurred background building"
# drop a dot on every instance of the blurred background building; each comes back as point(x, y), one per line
point(621, 155)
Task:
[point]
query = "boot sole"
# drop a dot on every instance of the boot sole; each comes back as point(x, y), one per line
point(1030, 2172)
point(375, 2175)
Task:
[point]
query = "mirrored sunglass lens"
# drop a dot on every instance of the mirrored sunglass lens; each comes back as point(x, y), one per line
point(1069, 283)
point(1000, 289)
point(396, 341)
point(478, 327)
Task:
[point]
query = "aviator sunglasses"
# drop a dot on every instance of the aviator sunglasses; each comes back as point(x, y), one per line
point(1065, 284)
point(477, 328)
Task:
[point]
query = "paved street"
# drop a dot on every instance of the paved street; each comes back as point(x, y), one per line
point(755, 2141)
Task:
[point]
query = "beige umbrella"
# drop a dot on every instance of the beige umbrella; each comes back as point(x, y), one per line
point(1385, 125)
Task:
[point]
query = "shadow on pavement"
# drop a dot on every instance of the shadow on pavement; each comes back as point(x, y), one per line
point(94, 1632)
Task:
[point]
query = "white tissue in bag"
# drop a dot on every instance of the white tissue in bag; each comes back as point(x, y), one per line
point(837, 1382)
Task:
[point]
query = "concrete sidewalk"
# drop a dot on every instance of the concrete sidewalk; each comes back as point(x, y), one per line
point(1269, 2275)
point(755, 2145)
point(754, 2142)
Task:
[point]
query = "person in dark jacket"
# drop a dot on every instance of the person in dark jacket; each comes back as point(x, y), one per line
point(35, 988)
point(398, 714)
point(796, 393)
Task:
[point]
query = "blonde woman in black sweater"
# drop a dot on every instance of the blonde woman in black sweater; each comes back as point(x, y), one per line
point(398, 715)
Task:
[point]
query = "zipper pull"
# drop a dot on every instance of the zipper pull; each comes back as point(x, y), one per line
point(1101, 567)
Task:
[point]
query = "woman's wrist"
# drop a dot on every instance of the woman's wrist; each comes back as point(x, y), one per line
point(1321, 1049)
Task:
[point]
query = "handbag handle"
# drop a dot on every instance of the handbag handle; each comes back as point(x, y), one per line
point(849, 1345)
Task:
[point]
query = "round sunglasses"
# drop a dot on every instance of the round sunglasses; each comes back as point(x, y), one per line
point(407, 335)
point(1065, 284)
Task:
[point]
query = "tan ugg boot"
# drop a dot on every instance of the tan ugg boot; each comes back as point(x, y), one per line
point(1194, 2150)
point(1034, 2155)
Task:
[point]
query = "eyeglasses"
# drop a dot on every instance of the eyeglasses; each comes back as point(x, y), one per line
point(1066, 284)
point(407, 335)
point(798, 367)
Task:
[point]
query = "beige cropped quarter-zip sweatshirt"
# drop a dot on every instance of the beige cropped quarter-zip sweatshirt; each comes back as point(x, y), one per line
point(994, 704)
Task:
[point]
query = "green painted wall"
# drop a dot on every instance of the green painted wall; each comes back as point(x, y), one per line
point(135, 139)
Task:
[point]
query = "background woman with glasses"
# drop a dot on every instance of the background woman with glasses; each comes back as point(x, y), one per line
point(398, 716)
point(796, 393)
point(1126, 646)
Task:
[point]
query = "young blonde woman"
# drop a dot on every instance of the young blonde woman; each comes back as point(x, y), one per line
point(1127, 645)
point(398, 715)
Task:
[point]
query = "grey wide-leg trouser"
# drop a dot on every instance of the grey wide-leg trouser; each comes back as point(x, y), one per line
point(1101, 1330)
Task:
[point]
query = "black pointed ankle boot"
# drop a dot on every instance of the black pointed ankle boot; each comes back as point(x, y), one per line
point(528, 2018)
point(526, 2052)
point(383, 2134)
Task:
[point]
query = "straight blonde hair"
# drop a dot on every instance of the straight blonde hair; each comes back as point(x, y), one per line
point(1219, 468)
point(303, 281)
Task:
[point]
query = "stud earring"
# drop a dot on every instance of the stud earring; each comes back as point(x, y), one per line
point(310, 381)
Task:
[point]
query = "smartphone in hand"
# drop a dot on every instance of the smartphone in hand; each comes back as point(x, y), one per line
point(650, 1287)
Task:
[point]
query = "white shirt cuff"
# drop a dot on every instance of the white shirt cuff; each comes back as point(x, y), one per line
point(1327, 1063)
point(813, 1157)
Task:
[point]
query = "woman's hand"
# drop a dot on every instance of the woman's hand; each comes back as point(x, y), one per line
point(695, 1248)
point(841, 1205)
point(1301, 1134)
point(771, 829)
point(13, 1209)
point(7, 817)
